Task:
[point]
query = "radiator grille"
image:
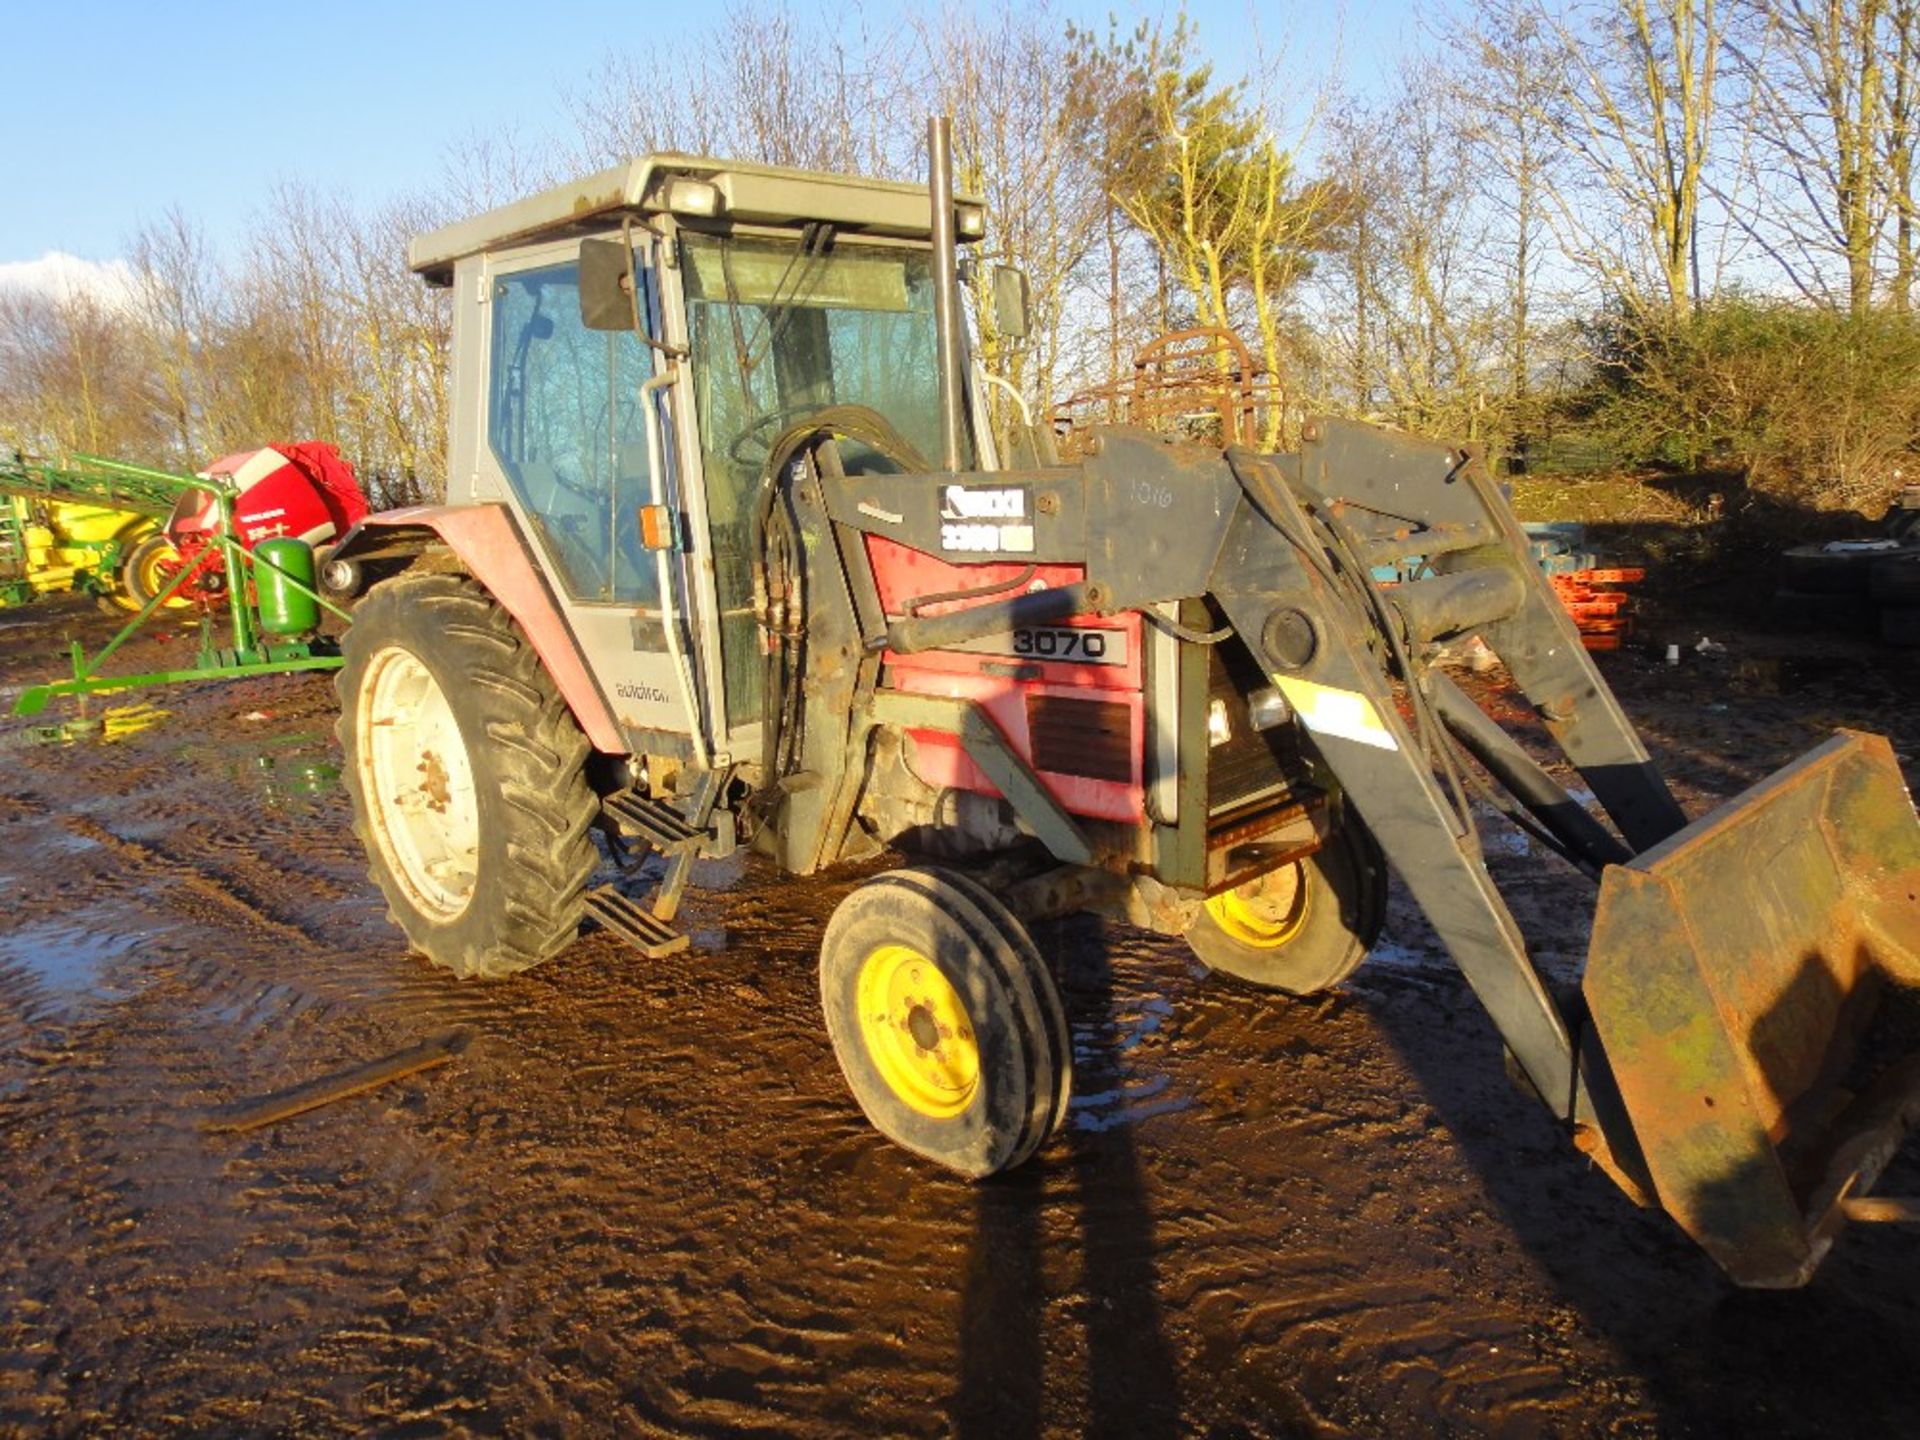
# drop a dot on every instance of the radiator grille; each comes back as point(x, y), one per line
point(1093, 738)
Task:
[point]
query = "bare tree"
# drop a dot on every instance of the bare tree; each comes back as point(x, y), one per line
point(764, 86)
point(1825, 104)
point(179, 288)
point(1006, 78)
point(1424, 287)
point(1637, 111)
point(1903, 99)
point(71, 377)
point(1504, 101)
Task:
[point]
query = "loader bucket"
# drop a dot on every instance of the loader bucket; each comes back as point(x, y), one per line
point(1734, 973)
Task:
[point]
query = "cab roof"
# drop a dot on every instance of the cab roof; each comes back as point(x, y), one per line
point(762, 194)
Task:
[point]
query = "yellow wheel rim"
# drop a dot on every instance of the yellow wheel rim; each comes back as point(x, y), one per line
point(150, 579)
point(1266, 912)
point(917, 1032)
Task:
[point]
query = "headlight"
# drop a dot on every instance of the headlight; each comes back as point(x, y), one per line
point(693, 197)
point(1219, 728)
point(1267, 709)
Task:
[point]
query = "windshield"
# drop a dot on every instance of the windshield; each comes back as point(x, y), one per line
point(781, 328)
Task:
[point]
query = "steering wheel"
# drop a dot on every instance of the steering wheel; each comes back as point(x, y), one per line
point(896, 452)
point(751, 447)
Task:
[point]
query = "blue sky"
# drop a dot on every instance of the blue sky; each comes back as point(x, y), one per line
point(112, 112)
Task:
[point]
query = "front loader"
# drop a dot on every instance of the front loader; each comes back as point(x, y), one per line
point(730, 557)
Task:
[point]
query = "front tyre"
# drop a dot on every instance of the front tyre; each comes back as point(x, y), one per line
point(945, 1020)
point(1303, 927)
point(466, 772)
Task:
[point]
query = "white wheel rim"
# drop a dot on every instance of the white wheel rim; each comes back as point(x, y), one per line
point(418, 782)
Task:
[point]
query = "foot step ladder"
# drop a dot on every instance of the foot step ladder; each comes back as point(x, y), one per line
point(634, 923)
point(677, 834)
point(654, 821)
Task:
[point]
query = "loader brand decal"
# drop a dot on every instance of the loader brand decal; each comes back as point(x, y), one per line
point(627, 690)
point(985, 519)
point(1345, 714)
point(1066, 644)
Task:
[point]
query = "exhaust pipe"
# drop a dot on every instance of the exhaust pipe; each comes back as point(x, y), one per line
point(946, 289)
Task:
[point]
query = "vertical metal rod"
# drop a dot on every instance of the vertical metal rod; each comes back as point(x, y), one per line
point(229, 543)
point(946, 288)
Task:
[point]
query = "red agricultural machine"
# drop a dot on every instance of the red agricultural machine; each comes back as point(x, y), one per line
point(303, 491)
point(730, 557)
point(239, 536)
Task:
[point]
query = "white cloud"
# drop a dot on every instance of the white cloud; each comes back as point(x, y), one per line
point(59, 276)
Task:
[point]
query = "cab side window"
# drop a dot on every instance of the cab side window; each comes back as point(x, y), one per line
point(565, 419)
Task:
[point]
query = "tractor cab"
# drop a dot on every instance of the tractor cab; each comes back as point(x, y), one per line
point(628, 350)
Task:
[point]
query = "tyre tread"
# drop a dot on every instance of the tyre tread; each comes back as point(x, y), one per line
point(536, 758)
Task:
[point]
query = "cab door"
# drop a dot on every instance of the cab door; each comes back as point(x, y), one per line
point(567, 448)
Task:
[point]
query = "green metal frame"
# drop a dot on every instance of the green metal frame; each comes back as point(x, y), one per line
point(108, 482)
point(250, 653)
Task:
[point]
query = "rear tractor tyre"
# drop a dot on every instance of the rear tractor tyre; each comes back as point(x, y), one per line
point(945, 1020)
point(1816, 570)
point(1303, 927)
point(467, 775)
point(1895, 580)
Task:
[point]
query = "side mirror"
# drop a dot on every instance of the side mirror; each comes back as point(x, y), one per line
point(1010, 300)
point(606, 285)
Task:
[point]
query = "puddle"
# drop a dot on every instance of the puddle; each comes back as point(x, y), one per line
point(1414, 960)
point(1113, 1088)
point(126, 720)
point(115, 724)
point(291, 774)
point(66, 956)
point(1499, 835)
point(1126, 1104)
point(293, 782)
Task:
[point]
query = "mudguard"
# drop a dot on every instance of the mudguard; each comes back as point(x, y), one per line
point(489, 544)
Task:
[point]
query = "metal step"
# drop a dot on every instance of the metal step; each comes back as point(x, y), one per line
point(634, 923)
point(654, 821)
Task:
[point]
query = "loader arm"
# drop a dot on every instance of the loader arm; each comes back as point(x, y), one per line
point(1703, 1063)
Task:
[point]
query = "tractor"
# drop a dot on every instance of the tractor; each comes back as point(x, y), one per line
point(730, 557)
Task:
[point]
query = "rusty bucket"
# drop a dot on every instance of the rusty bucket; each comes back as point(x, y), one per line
point(1734, 981)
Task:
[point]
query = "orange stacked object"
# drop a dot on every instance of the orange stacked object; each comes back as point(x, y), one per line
point(1600, 607)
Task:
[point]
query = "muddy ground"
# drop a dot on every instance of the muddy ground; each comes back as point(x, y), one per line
point(642, 1202)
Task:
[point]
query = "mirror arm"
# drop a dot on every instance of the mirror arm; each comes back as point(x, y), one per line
point(672, 352)
point(1019, 400)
